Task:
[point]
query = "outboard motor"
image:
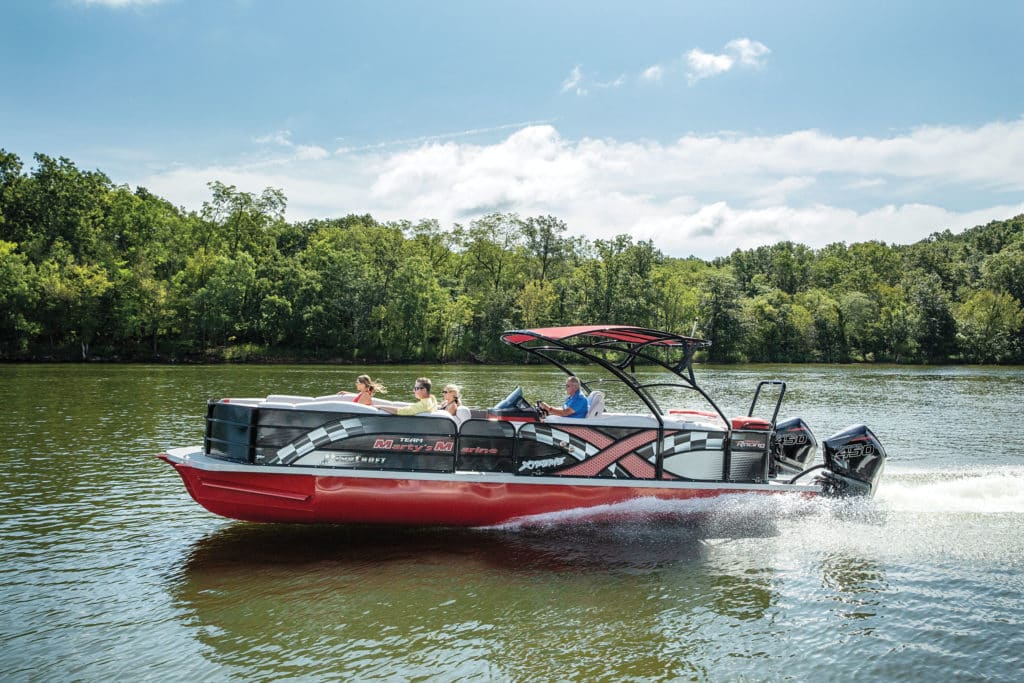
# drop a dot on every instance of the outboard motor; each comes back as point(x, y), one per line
point(793, 446)
point(854, 460)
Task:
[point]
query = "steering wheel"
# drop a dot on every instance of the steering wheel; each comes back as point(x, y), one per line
point(540, 410)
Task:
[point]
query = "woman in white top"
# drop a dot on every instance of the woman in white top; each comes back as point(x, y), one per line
point(452, 396)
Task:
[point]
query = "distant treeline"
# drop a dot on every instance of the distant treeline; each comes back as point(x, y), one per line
point(90, 269)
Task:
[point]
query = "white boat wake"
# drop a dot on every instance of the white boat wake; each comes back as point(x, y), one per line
point(981, 491)
point(721, 510)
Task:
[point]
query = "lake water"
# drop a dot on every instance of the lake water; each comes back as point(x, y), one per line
point(111, 572)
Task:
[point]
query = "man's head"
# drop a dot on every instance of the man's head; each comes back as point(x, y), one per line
point(572, 385)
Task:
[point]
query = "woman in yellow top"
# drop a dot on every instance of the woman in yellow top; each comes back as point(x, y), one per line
point(425, 401)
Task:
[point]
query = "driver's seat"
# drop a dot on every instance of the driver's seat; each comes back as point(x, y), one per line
point(595, 403)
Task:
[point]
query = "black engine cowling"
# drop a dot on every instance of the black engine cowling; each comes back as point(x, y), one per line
point(793, 446)
point(854, 460)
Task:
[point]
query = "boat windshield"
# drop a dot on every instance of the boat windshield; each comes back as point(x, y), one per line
point(513, 400)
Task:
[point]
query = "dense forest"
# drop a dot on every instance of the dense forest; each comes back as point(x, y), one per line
point(94, 270)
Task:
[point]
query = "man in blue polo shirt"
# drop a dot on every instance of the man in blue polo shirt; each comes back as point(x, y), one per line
point(575, 405)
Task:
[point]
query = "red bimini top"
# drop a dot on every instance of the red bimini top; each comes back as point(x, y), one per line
point(622, 333)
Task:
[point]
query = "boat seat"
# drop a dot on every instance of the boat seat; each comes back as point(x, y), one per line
point(277, 405)
point(606, 419)
point(462, 413)
point(338, 405)
point(287, 398)
point(437, 413)
point(696, 424)
point(334, 406)
point(595, 403)
point(389, 404)
point(755, 423)
point(641, 421)
point(702, 417)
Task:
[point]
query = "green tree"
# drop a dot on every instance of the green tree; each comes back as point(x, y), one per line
point(73, 298)
point(241, 221)
point(896, 325)
point(64, 207)
point(215, 298)
point(334, 298)
point(548, 250)
point(537, 303)
point(776, 329)
point(988, 324)
point(620, 281)
point(676, 295)
point(141, 309)
point(829, 343)
point(12, 198)
point(935, 331)
point(449, 317)
point(829, 266)
point(1004, 271)
point(858, 314)
point(493, 274)
point(869, 264)
point(18, 297)
point(720, 314)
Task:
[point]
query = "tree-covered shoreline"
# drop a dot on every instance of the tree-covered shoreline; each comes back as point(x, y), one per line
point(94, 270)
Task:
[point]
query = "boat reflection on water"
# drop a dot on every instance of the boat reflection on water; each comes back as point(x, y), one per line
point(665, 534)
point(650, 599)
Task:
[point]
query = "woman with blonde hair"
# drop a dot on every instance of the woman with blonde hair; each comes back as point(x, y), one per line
point(366, 389)
point(452, 396)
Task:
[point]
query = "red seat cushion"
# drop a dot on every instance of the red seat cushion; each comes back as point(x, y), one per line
point(697, 413)
point(744, 422)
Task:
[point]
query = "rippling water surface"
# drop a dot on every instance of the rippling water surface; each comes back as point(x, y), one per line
point(110, 571)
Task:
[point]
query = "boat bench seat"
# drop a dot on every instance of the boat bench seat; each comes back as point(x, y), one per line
point(438, 413)
point(344, 404)
point(606, 419)
point(288, 398)
point(390, 404)
point(334, 405)
point(242, 401)
point(627, 420)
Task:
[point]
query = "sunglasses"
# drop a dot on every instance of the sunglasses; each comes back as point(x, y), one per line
point(418, 387)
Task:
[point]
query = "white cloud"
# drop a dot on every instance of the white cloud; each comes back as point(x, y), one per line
point(704, 64)
point(653, 74)
point(580, 84)
point(280, 137)
point(309, 152)
point(697, 65)
point(423, 139)
point(704, 195)
point(120, 3)
point(283, 138)
point(748, 52)
point(614, 83)
point(741, 51)
point(574, 82)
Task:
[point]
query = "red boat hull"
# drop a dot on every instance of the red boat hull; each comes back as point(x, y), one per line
point(404, 499)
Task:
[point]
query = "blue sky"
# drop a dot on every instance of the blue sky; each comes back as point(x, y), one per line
point(703, 126)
